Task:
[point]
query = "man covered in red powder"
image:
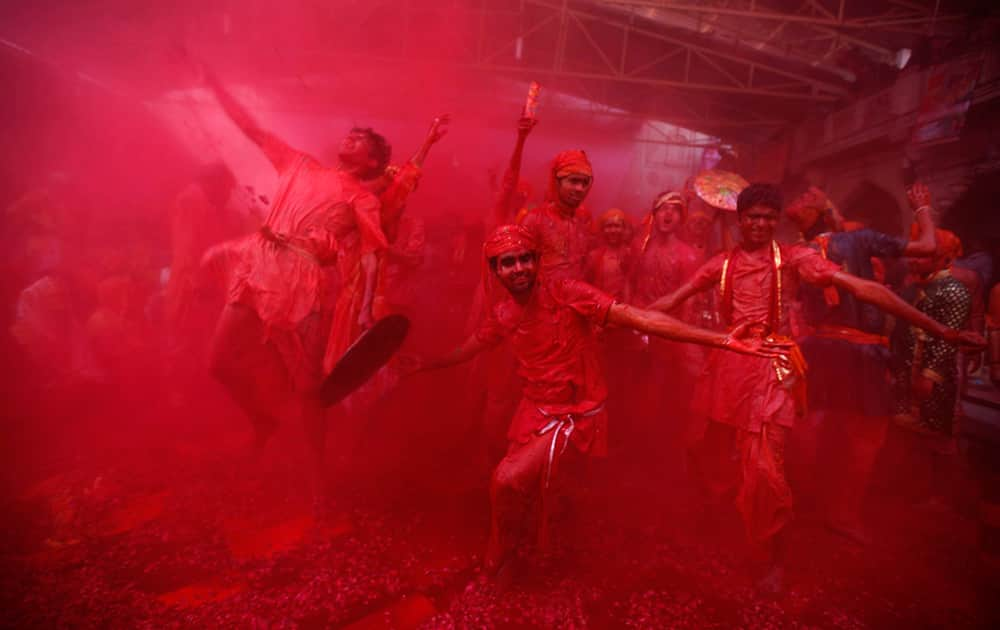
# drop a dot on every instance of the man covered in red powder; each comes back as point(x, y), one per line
point(609, 267)
point(551, 323)
point(665, 260)
point(752, 402)
point(352, 311)
point(271, 335)
point(846, 348)
point(664, 263)
point(559, 226)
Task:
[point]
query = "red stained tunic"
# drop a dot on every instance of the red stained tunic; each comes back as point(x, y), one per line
point(609, 269)
point(563, 243)
point(330, 216)
point(554, 340)
point(740, 390)
point(662, 269)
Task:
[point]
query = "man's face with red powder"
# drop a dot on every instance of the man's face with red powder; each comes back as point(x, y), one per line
point(517, 270)
point(573, 189)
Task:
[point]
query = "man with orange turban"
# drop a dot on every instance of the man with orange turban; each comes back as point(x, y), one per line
point(926, 370)
point(846, 349)
point(551, 323)
point(559, 226)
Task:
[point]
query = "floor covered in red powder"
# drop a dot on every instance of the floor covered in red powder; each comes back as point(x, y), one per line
point(160, 524)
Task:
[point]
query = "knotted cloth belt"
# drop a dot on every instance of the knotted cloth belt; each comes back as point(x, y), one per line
point(561, 424)
point(283, 240)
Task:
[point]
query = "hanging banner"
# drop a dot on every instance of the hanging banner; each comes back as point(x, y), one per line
point(946, 100)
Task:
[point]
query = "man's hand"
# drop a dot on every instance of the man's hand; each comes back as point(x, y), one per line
point(525, 125)
point(919, 195)
point(439, 128)
point(968, 340)
point(763, 348)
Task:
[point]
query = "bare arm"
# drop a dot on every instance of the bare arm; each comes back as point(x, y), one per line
point(920, 200)
point(880, 296)
point(439, 127)
point(502, 210)
point(464, 352)
point(656, 323)
point(277, 151)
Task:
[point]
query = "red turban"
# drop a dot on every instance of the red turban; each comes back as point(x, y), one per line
point(572, 162)
point(614, 213)
point(949, 246)
point(508, 238)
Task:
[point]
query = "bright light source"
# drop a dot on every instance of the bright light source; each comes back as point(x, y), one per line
point(902, 57)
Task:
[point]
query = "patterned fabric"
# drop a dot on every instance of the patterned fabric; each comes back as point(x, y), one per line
point(916, 354)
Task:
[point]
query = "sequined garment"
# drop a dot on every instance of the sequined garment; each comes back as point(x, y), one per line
point(946, 300)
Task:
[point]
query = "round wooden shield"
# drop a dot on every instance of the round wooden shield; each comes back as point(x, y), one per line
point(367, 354)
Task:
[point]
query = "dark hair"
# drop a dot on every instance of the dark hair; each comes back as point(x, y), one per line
point(379, 148)
point(494, 260)
point(759, 194)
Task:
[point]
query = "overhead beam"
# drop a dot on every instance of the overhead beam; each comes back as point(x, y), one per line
point(817, 84)
point(766, 14)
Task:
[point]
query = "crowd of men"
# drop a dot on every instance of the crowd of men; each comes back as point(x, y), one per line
point(582, 327)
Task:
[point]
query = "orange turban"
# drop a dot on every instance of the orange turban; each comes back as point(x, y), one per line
point(572, 162)
point(614, 213)
point(508, 238)
point(949, 246)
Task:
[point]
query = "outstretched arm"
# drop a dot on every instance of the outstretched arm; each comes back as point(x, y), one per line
point(655, 323)
point(464, 352)
point(276, 150)
point(882, 297)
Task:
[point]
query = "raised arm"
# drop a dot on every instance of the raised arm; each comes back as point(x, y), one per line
point(882, 297)
point(501, 211)
point(279, 153)
point(439, 127)
point(405, 181)
point(926, 243)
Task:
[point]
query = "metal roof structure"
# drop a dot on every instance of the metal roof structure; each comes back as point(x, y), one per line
point(734, 69)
